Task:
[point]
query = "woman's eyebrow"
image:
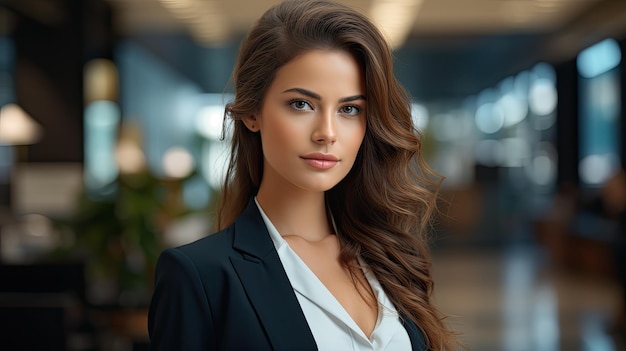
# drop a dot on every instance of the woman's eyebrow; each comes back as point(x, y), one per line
point(304, 92)
point(352, 98)
point(318, 97)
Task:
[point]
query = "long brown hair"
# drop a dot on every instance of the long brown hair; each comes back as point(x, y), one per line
point(383, 207)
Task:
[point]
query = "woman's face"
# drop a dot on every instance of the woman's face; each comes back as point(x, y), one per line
point(312, 122)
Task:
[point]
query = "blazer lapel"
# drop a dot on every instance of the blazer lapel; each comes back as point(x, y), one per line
point(267, 286)
point(415, 334)
point(270, 292)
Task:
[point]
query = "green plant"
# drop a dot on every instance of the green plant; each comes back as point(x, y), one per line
point(119, 235)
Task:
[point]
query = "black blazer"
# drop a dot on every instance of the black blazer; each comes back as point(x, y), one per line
point(229, 291)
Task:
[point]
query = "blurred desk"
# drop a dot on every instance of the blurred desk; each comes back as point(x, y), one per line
point(35, 322)
point(584, 243)
point(43, 306)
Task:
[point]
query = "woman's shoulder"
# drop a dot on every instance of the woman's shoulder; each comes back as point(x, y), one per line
point(216, 250)
point(205, 252)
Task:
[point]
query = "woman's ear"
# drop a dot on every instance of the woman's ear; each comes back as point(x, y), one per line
point(252, 123)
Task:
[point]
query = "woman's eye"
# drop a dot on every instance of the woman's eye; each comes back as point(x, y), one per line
point(350, 110)
point(300, 105)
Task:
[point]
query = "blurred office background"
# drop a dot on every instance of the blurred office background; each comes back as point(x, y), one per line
point(112, 149)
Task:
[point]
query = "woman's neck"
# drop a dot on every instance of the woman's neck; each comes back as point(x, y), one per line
point(302, 214)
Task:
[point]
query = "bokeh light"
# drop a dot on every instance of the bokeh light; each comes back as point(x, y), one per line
point(177, 162)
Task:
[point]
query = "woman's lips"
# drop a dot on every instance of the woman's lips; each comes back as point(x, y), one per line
point(320, 161)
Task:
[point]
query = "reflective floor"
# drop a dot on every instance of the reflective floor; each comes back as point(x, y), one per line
point(515, 299)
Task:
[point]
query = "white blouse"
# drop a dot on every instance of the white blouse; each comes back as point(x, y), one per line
point(331, 325)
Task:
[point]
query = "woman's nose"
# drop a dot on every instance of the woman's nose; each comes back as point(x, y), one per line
point(325, 129)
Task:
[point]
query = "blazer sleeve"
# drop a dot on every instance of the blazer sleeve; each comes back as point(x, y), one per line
point(179, 317)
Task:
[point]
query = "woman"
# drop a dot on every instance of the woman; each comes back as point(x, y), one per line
point(324, 207)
